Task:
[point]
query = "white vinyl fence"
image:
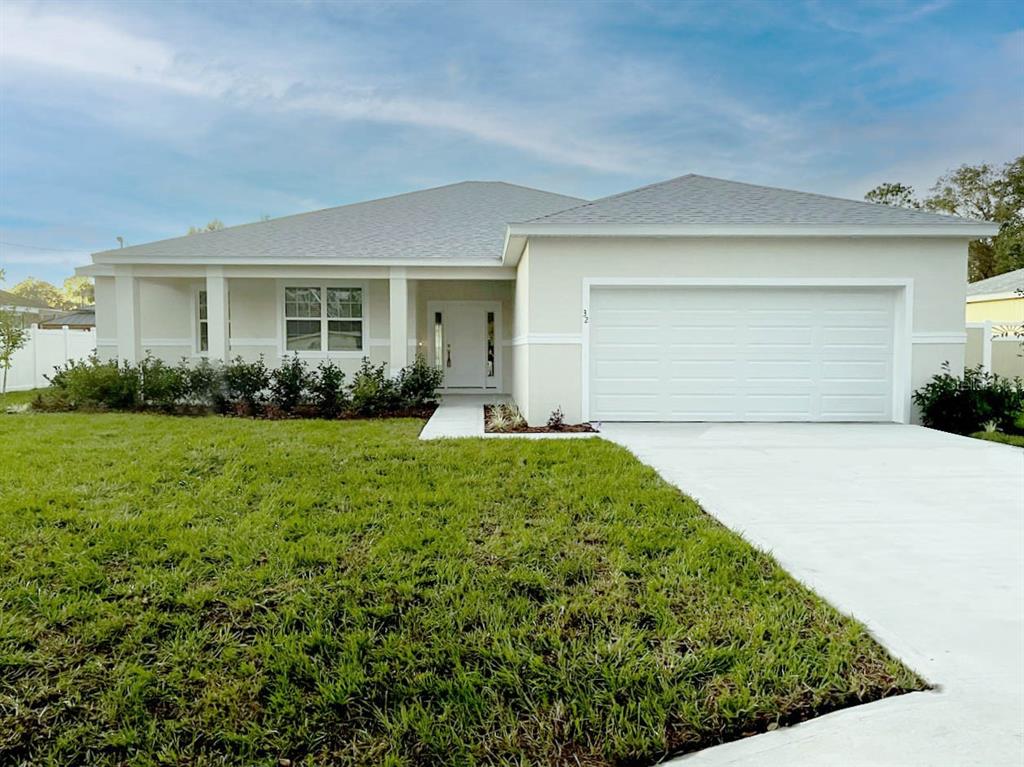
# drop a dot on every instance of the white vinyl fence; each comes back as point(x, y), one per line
point(997, 346)
point(45, 350)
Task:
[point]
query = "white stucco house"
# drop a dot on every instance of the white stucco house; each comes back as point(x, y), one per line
point(695, 299)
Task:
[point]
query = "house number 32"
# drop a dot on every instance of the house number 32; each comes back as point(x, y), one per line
point(586, 317)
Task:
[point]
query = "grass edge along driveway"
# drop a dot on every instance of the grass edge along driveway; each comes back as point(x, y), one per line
point(224, 591)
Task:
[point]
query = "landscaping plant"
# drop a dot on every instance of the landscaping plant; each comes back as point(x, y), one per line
point(964, 404)
point(556, 421)
point(239, 388)
point(246, 384)
point(12, 337)
point(290, 384)
point(327, 390)
point(372, 392)
point(418, 383)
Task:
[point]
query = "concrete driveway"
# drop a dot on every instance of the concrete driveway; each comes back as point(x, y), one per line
point(916, 533)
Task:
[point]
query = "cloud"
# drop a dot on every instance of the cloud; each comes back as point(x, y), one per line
point(87, 48)
point(873, 21)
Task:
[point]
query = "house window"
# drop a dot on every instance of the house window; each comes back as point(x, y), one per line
point(490, 344)
point(323, 318)
point(203, 323)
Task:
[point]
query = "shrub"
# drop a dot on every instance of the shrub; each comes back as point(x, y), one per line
point(418, 383)
point(290, 384)
point(94, 384)
point(556, 421)
point(239, 387)
point(963, 405)
point(373, 393)
point(160, 386)
point(327, 390)
point(202, 385)
point(245, 385)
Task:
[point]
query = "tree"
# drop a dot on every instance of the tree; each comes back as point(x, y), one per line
point(79, 291)
point(41, 290)
point(997, 195)
point(983, 192)
point(895, 194)
point(211, 226)
point(12, 337)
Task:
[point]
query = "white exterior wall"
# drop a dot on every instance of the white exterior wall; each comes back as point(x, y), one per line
point(106, 319)
point(549, 362)
point(521, 329)
point(502, 291)
point(168, 316)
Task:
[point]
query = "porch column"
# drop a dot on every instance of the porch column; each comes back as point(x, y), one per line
point(398, 303)
point(217, 313)
point(126, 309)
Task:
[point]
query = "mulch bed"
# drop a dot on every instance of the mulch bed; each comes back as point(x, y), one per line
point(569, 428)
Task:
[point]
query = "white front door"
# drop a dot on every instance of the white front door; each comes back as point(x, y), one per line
point(465, 343)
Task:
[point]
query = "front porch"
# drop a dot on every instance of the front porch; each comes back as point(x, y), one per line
point(458, 319)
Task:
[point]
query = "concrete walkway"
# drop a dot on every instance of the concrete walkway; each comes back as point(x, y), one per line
point(462, 415)
point(916, 533)
point(459, 415)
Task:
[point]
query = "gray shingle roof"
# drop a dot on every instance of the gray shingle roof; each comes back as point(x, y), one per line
point(1001, 283)
point(693, 199)
point(84, 317)
point(460, 221)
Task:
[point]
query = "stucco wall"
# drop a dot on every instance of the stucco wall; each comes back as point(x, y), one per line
point(520, 329)
point(106, 319)
point(167, 316)
point(557, 267)
point(501, 291)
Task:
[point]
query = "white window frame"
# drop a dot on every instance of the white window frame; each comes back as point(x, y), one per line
point(197, 351)
point(322, 285)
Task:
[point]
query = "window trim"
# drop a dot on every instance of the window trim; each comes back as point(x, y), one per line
point(196, 351)
point(322, 285)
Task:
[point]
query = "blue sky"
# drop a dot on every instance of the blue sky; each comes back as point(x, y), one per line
point(139, 119)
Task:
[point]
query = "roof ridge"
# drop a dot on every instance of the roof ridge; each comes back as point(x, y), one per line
point(612, 197)
point(524, 186)
point(839, 199)
point(235, 227)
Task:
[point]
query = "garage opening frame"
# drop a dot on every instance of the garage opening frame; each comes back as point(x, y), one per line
point(903, 320)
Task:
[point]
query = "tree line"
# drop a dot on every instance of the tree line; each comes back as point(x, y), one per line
point(984, 192)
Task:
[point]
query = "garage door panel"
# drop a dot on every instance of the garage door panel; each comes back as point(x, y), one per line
point(851, 406)
point(855, 370)
point(781, 406)
point(857, 336)
point(757, 353)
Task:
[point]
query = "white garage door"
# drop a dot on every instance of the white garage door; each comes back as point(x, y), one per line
point(741, 354)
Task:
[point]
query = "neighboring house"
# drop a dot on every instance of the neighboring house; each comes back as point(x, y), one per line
point(29, 310)
point(79, 319)
point(999, 299)
point(693, 299)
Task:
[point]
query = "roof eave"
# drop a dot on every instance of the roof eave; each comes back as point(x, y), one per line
point(114, 258)
point(1004, 295)
point(968, 229)
point(517, 234)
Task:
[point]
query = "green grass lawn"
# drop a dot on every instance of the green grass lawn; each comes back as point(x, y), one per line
point(18, 398)
point(1016, 440)
point(200, 591)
